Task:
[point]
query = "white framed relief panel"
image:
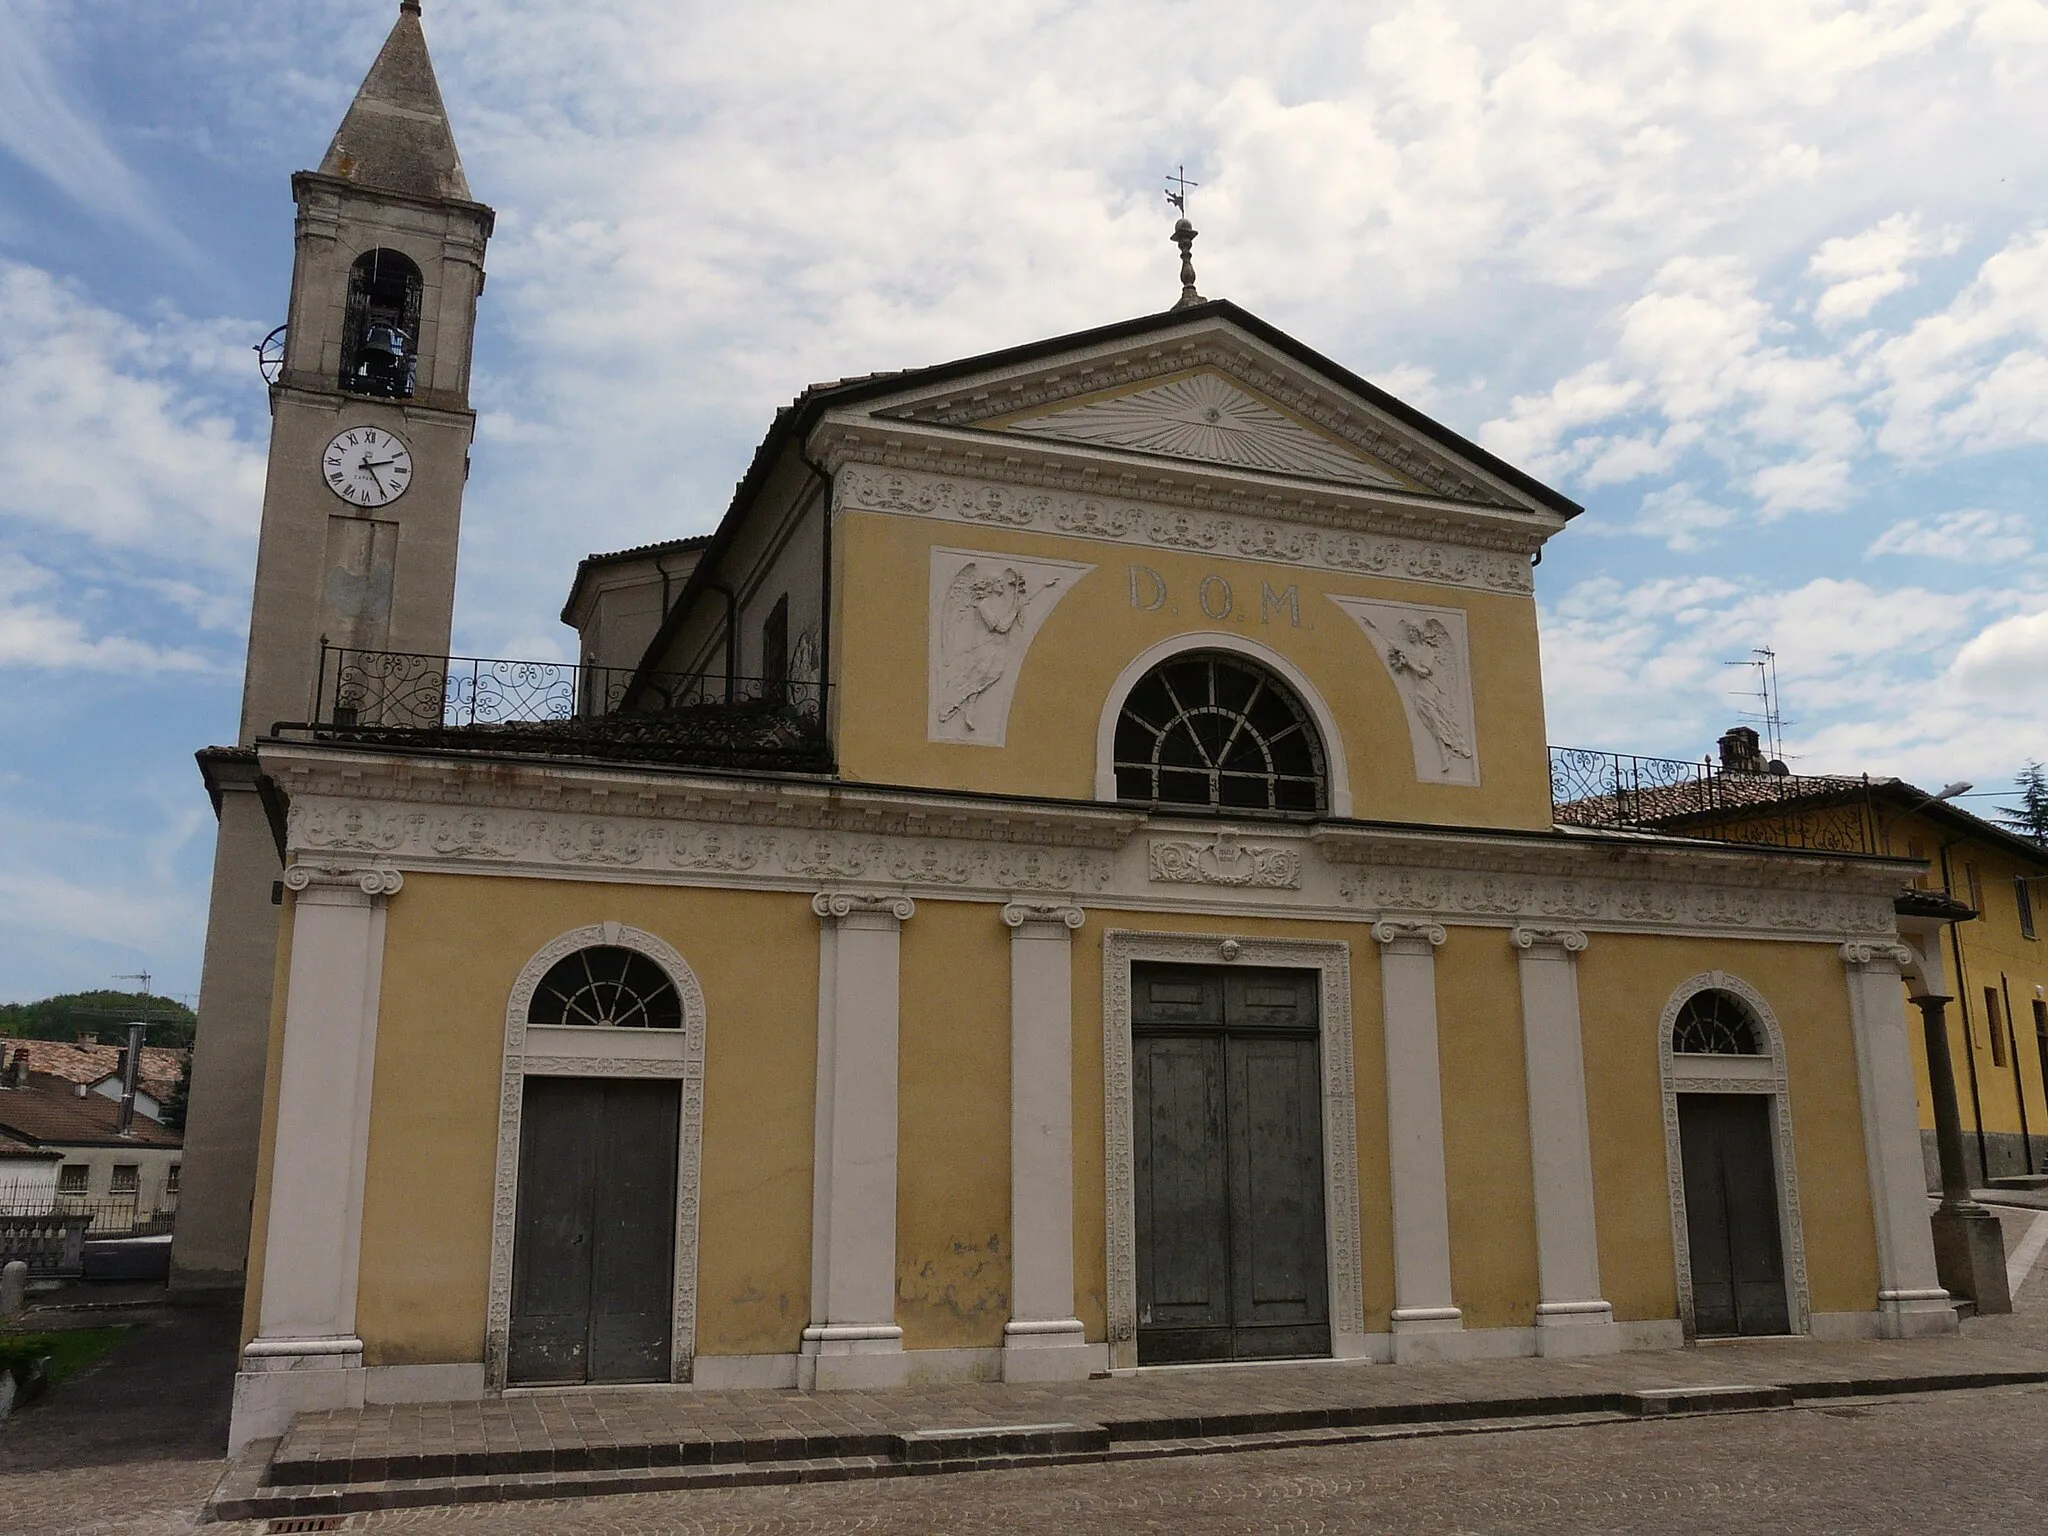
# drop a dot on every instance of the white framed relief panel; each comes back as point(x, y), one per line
point(1331, 959)
point(539, 1050)
point(1428, 656)
point(1760, 1074)
point(986, 609)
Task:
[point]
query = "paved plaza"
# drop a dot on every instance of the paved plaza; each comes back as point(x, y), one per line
point(132, 1448)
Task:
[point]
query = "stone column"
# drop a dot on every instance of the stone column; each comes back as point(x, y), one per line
point(1571, 1318)
point(853, 1339)
point(1910, 1299)
point(1043, 1341)
point(306, 1354)
point(1423, 1309)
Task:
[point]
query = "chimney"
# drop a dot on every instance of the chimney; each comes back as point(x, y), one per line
point(1742, 751)
point(89, 1037)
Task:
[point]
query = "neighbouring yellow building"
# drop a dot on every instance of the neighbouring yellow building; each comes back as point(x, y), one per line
point(1064, 879)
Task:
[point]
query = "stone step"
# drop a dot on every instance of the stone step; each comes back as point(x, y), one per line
point(2021, 1181)
point(257, 1487)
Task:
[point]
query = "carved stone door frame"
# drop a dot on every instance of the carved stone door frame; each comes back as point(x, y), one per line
point(1762, 1074)
point(585, 1051)
point(1332, 961)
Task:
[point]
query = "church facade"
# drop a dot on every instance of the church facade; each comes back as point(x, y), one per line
point(1063, 880)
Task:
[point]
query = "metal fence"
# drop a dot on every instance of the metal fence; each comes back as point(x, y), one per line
point(706, 719)
point(105, 1215)
point(1619, 791)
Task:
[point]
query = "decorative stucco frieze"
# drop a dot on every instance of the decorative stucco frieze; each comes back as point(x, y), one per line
point(1225, 859)
point(1229, 530)
point(570, 841)
point(1653, 903)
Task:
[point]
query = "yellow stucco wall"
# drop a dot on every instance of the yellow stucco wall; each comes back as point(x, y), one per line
point(1624, 983)
point(1487, 1164)
point(454, 946)
point(1106, 619)
point(953, 1127)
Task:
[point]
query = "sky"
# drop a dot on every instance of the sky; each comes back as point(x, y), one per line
point(1763, 283)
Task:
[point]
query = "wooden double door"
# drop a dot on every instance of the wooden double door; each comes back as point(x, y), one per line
point(1227, 1119)
point(593, 1255)
point(1731, 1214)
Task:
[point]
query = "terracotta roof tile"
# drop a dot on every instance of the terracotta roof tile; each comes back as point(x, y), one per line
point(50, 1111)
point(162, 1065)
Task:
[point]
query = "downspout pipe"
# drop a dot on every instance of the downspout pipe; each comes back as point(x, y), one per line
point(1955, 944)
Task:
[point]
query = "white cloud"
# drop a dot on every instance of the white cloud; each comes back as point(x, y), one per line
point(1861, 270)
point(2006, 664)
point(1973, 536)
point(34, 633)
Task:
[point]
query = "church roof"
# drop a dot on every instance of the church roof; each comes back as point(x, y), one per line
point(396, 136)
point(794, 422)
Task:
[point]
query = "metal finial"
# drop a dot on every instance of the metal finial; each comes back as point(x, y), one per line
point(1184, 236)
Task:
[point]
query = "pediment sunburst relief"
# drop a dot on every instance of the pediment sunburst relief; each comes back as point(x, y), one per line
point(1208, 418)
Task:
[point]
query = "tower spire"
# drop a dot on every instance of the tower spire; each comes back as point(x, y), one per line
point(396, 135)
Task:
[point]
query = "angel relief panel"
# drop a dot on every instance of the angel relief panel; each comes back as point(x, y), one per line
point(1428, 655)
point(985, 612)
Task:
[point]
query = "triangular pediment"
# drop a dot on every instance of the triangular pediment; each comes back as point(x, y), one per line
point(1209, 417)
point(1207, 386)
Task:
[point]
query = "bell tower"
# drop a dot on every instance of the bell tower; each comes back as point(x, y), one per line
point(369, 448)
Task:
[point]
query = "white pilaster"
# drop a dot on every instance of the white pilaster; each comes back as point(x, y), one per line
point(853, 1339)
point(1910, 1300)
point(1415, 1141)
point(1043, 1341)
point(306, 1355)
point(1571, 1316)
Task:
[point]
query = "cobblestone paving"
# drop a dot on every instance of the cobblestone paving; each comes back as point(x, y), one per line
point(89, 1463)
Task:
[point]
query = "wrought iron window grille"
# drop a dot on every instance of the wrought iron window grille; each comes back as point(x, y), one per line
point(1212, 731)
point(606, 987)
point(1716, 1023)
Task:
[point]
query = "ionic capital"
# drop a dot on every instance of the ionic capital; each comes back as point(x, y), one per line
point(368, 881)
point(839, 906)
point(1025, 915)
point(1571, 941)
point(1408, 937)
point(1877, 955)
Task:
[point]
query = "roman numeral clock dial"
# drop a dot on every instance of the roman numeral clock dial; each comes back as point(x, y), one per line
point(367, 467)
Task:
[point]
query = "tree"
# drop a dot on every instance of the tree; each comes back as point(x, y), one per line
point(105, 1013)
point(2030, 817)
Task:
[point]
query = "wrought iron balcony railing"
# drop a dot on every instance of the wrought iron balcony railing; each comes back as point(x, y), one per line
point(1618, 791)
point(566, 709)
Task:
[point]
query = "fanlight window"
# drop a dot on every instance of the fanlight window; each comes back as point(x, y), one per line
point(606, 986)
point(1214, 730)
point(1716, 1023)
point(381, 334)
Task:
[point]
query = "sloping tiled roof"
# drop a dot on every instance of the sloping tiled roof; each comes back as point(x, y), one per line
point(162, 1065)
point(15, 1150)
point(50, 1111)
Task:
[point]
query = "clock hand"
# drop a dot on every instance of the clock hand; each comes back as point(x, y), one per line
point(375, 477)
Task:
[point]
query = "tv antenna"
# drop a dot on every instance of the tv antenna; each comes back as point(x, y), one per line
point(141, 976)
point(1768, 716)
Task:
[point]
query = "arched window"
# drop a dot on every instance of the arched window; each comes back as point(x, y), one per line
point(381, 335)
point(1716, 1023)
point(608, 986)
point(1211, 729)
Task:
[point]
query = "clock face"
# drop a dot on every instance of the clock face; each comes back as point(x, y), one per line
point(366, 466)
